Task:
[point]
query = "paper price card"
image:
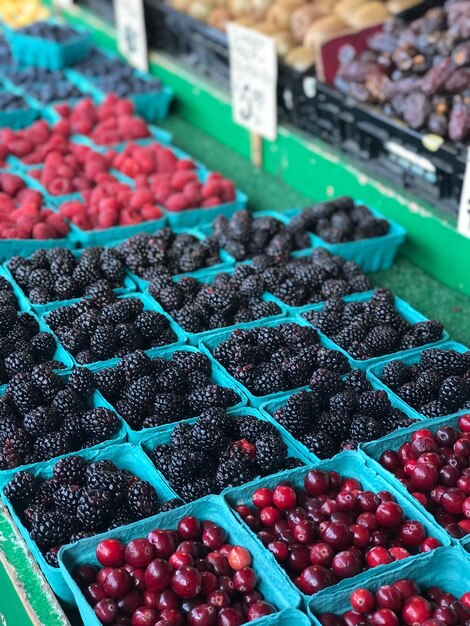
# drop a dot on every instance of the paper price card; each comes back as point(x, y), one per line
point(463, 224)
point(131, 34)
point(253, 80)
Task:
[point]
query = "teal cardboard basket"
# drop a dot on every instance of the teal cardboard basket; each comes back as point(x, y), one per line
point(210, 342)
point(375, 372)
point(33, 50)
point(180, 338)
point(374, 254)
point(287, 617)
point(208, 277)
point(405, 310)
point(22, 302)
point(348, 464)
point(18, 118)
point(217, 376)
point(124, 456)
point(270, 582)
point(373, 451)
point(447, 568)
point(151, 438)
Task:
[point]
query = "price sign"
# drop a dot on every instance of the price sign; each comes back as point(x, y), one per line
point(463, 224)
point(63, 4)
point(253, 80)
point(131, 34)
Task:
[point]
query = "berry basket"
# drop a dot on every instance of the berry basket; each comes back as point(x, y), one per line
point(447, 567)
point(148, 306)
point(287, 617)
point(375, 372)
point(405, 310)
point(151, 438)
point(20, 117)
point(36, 50)
point(372, 255)
point(23, 302)
point(349, 464)
point(125, 456)
point(217, 376)
point(270, 582)
point(208, 277)
point(127, 288)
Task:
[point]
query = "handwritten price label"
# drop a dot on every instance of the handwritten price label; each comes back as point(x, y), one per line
point(253, 80)
point(131, 34)
point(463, 224)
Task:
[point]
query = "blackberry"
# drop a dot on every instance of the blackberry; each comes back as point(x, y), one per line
point(320, 444)
point(169, 406)
point(104, 465)
point(94, 509)
point(395, 374)
point(40, 421)
point(333, 360)
point(365, 428)
point(295, 419)
point(78, 536)
point(413, 394)
point(446, 362)
point(188, 362)
point(135, 365)
point(109, 381)
point(100, 423)
point(435, 408)
point(112, 483)
point(46, 381)
point(326, 383)
point(70, 470)
point(211, 396)
point(44, 346)
point(297, 370)
point(184, 465)
point(152, 326)
point(142, 499)
point(345, 402)
point(374, 404)
point(268, 380)
point(270, 454)
point(67, 498)
point(82, 382)
point(161, 457)
point(24, 395)
point(170, 505)
point(51, 556)
point(454, 392)
point(18, 362)
point(171, 380)
point(51, 529)
point(208, 436)
point(20, 487)
point(123, 517)
point(140, 393)
point(232, 473)
point(103, 341)
point(338, 425)
point(197, 488)
point(181, 435)
point(251, 428)
point(66, 403)
point(51, 445)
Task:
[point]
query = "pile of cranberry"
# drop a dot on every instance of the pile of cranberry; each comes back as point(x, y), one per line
point(402, 602)
point(435, 468)
point(188, 576)
point(333, 529)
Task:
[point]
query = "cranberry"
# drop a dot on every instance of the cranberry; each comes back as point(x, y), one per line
point(384, 617)
point(260, 609)
point(209, 582)
point(462, 447)
point(283, 532)
point(428, 544)
point(158, 575)
point(226, 584)
point(353, 618)
point(423, 444)
point(189, 528)
point(243, 510)
point(262, 497)
point(321, 554)
point(462, 612)
point(389, 514)
point(284, 497)
point(329, 507)
point(422, 499)
point(424, 476)
point(449, 475)
point(106, 611)
point(412, 533)
point(186, 582)
point(295, 516)
point(299, 557)
point(178, 559)
point(229, 617)
point(346, 501)
point(368, 520)
point(388, 597)
point(455, 530)
point(445, 614)
point(219, 598)
point(464, 423)
point(463, 483)
point(144, 616)
point(202, 615)
point(398, 553)
point(465, 526)
point(305, 532)
point(361, 535)
point(138, 578)
point(219, 563)
point(465, 599)
point(390, 460)
point(367, 502)
point(406, 587)
point(163, 543)
point(244, 580)
point(85, 575)
point(337, 535)
point(316, 482)
point(94, 593)
point(362, 600)
point(269, 515)
point(404, 452)
point(253, 522)
point(347, 563)
point(416, 610)
point(314, 578)
point(130, 602)
point(139, 553)
point(378, 556)
point(124, 620)
point(330, 619)
point(251, 597)
point(265, 537)
point(118, 582)
point(110, 553)
point(452, 501)
point(213, 537)
point(279, 550)
point(430, 458)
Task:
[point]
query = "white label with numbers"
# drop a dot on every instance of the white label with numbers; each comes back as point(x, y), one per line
point(131, 34)
point(253, 80)
point(63, 4)
point(463, 225)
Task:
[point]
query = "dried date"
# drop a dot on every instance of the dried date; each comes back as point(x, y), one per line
point(437, 76)
point(417, 109)
point(459, 122)
point(458, 81)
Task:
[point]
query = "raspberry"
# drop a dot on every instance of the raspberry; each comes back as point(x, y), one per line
point(44, 231)
point(176, 203)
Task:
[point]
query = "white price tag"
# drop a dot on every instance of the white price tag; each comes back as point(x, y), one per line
point(131, 34)
point(463, 224)
point(253, 80)
point(63, 4)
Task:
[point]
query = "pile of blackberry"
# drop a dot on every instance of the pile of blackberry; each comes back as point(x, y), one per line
point(439, 384)
point(339, 414)
point(340, 220)
point(22, 344)
point(148, 255)
point(310, 279)
point(43, 415)
point(56, 274)
point(372, 328)
point(153, 392)
point(79, 500)
point(244, 235)
point(269, 359)
point(104, 326)
point(229, 299)
point(220, 451)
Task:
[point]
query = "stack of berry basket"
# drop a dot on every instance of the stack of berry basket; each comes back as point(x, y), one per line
point(170, 358)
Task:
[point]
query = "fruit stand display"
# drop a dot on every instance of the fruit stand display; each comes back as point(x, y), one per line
point(212, 415)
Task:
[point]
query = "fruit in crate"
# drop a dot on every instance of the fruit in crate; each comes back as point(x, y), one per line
point(181, 576)
point(60, 33)
point(154, 392)
point(229, 299)
point(142, 162)
point(44, 415)
point(103, 326)
point(436, 385)
point(435, 468)
point(339, 414)
point(270, 359)
point(331, 529)
point(46, 94)
point(235, 450)
point(403, 601)
point(372, 328)
point(80, 499)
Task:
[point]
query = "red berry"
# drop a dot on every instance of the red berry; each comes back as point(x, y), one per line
point(284, 497)
point(321, 554)
point(362, 600)
point(389, 514)
point(398, 553)
point(139, 552)
point(110, 553)
point(106, 611)
point(244, 580)
point(262, 497)
point(406, 587)
point(378, 556)
point(186, 582)
point(316, 482)
point(269, 516)
point(416, 610)
point(202, 615)
point(158, 575)
point(118, 582)
point(412, 533)
point(347, 563)
point(229, 617)
point(213, 537)
point(144, 616)
point(384, 617)
point(388, 597)
point(189, 528)
point(239, 558)
point(163, 543)
point(260, 609)
point(314, 578)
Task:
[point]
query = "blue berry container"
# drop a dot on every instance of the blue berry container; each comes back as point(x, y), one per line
point(447, 568)
point(348, 464)
point(405, 310)
point(20, 117)
point(374, 254)
point(35, 50)
point(270, 583)
point(376, 371)
point(124, 456)
point(217, 376)
point(180, 338)
point(209, 343)
point(151, 438)
point(208, 277)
